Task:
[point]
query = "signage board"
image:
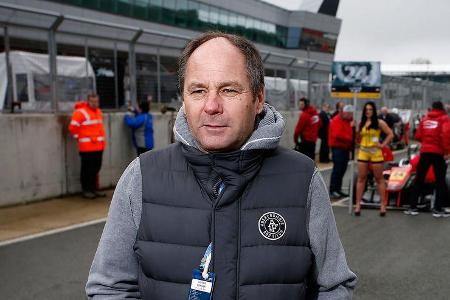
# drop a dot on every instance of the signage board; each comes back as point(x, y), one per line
point(347, 75)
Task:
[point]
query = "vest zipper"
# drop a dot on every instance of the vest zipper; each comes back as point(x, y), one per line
point(213, 238)
point(213, 221)
point(238, 263)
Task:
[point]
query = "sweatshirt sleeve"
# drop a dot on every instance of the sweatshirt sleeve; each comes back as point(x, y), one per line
point(331, 274)
point(114, 271)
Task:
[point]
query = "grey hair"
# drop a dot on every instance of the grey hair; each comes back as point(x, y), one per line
point(254, 64)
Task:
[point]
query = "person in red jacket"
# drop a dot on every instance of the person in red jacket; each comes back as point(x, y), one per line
point(87, 127)
point(434, 134)
point(340, 140)
point(307, 129)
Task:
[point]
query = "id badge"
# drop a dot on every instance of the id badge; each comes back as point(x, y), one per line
point(202, 283)
point(201, 288)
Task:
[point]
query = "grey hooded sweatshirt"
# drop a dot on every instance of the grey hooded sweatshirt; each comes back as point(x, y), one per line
point(114, 271)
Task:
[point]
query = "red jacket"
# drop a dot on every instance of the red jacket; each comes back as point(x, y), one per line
point(340, 133)
point(308, 125)
point(434, 132)
point(87, 127)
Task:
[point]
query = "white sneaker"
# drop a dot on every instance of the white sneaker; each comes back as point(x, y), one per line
point(440, 213)
point(411, 212)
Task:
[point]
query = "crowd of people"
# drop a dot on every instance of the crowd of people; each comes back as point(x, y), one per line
point(373, 135)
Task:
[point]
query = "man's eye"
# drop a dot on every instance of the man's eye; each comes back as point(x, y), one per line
point(229, 92)
point(197, 91)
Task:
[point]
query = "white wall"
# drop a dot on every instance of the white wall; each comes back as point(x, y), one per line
point(39, 159)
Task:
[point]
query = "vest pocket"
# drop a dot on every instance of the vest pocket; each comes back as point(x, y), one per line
point(294, 291)
point(273, 264)
point(168, 262)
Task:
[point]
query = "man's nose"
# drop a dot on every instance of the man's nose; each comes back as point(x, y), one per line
point(213, 103)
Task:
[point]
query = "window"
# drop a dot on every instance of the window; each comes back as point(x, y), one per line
point(193, 15)
point(107, 6)
point(203, 13)
point(146, 76)
point(154, 11)
point(223, 17)
point(22, 87)
point(169, 79)
point(213, 15)
point(169, 12)
point(293, 38)
point(315, 40)
point(182, 13)
point(232, 19)
point(140, 9)
point(124, 7)
point(200, 16)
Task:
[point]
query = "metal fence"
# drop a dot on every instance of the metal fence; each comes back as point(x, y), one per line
point(130, 64)
point(396, 92)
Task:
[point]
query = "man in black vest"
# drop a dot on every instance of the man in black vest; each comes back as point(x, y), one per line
point(226, 185)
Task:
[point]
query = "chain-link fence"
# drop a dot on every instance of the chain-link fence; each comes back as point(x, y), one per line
point(396, 92)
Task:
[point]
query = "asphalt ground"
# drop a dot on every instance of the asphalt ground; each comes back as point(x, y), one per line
point(396, 257)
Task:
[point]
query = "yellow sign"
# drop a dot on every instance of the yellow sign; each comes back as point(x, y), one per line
point(358, 95)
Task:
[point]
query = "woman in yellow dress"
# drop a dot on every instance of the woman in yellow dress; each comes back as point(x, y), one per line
point(368, 137)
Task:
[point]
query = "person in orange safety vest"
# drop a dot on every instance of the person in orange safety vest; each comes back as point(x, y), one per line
point(87, 127)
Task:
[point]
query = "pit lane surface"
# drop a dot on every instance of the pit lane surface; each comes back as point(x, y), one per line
point(396, 257)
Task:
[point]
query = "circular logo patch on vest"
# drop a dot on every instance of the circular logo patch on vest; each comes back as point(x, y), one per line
point(272, 226)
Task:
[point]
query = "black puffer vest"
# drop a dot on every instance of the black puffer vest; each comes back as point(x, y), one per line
point(181, 215)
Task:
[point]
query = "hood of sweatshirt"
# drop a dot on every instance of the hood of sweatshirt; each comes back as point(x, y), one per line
point(269, 127)
point(436, 113)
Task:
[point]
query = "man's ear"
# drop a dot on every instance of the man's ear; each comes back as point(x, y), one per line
point(260, 99)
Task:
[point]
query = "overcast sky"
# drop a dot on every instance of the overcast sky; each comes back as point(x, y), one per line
point(390, 31)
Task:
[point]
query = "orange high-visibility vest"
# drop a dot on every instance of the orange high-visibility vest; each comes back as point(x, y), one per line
point(87, 127)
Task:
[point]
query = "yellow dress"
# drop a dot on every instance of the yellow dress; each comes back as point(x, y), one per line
point(368, 151)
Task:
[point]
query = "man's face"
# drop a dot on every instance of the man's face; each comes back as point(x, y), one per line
point(93, 102)
point(347, 115)
point(301, 105)
point(220, 108)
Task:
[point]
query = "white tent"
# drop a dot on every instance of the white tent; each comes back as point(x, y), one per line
point(31, 80)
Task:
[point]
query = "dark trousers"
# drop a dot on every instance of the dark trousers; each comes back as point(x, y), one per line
point(141, 150)
point(307, 148)
point(439, 166)
point(324, 154)
point(340, 162)
point(91, 163)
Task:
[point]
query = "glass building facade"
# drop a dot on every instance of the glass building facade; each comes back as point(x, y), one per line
point(198, 16)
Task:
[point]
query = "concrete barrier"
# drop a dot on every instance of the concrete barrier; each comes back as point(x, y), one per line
point(39, 159)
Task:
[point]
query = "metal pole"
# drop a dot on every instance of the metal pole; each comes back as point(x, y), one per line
point(309, 76)
point(132, 67)
point(116, 77)
point(53, 69)
point(353, 161)
point(288, 89)
point(9, 93)
point(52, 52)
point(86, 66)
point(424, 99)
point(158, 75)
point(132, 75)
